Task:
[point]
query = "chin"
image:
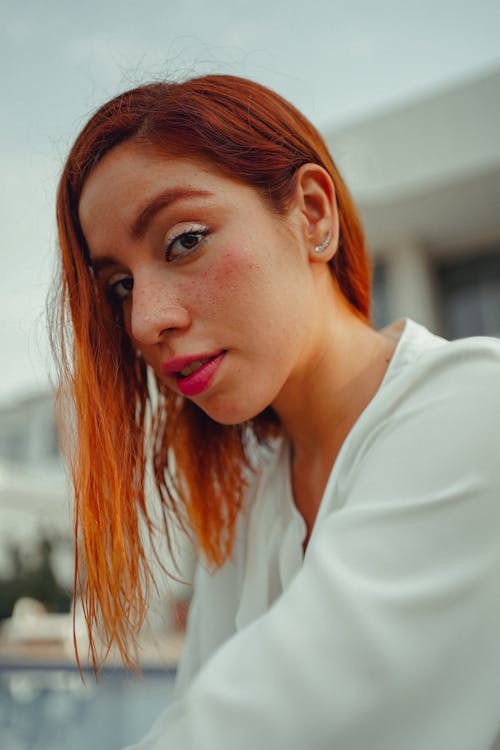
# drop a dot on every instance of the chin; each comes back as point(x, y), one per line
point(229, 413)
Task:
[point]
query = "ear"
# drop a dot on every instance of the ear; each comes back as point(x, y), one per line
point(317, 206)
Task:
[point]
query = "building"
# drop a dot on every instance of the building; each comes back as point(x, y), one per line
point(426, 176)
point(36, 503)
point(34, 497)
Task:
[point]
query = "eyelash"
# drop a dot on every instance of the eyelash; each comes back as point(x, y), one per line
point(112, 290)
point(117, 297)
point(200, 233)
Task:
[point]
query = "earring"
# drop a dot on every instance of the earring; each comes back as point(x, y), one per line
point(324, 244)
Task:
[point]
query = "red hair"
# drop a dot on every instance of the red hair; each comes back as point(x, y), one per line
point(123, 419)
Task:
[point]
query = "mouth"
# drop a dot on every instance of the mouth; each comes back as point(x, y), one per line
point(191, 368)
point(194, 377)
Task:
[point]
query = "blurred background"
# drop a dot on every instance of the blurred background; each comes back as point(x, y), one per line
point(407, 95)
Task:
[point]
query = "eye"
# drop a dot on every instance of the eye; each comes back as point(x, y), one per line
point(184, 244)
point(119, 287)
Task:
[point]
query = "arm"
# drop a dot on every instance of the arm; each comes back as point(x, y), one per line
point(389, 636)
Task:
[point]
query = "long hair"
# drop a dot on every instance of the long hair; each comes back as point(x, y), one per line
point(124, 422)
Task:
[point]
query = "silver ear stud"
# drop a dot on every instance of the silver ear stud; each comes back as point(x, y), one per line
point(319, 248)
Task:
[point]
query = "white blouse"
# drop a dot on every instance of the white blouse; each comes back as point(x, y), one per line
point(386, 634)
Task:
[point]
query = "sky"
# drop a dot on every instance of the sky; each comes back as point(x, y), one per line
point(60, 59)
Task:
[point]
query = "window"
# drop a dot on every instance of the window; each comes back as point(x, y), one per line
point(380, 309)
point(469, 291)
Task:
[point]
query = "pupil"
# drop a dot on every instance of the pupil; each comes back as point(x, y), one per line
point(189, 241)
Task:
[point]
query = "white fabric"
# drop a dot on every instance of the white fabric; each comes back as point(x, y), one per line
point(386, 636)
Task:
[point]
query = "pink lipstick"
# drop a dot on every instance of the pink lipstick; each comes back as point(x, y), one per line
point(193, 375)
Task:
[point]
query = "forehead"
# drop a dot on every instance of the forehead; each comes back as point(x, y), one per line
point(130, 175)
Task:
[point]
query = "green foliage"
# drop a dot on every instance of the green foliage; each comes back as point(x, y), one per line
point(34, 578)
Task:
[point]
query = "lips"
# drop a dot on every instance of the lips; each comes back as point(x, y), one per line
point(192, 367)
point(193, 374)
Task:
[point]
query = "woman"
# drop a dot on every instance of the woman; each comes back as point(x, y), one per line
point(340, 483)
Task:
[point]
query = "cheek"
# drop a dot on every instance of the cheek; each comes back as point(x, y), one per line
point(226, 272)
point(259, 299)
point(232, 282)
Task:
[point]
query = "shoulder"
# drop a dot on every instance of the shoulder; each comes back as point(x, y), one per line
point(431, 376)
point(423, 358)
point(449, 388)
point(417, 481)
point(434, 425)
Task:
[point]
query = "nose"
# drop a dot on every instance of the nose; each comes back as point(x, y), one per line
point(155, 311)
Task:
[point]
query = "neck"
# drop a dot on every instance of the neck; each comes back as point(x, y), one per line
point(327, 396)
point(320, 405)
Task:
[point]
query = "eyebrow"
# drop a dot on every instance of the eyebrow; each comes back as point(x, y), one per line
point(98, 265)
point(146, 215)
point(167, 197)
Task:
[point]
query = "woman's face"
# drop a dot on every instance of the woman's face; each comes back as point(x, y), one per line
point(216, 289)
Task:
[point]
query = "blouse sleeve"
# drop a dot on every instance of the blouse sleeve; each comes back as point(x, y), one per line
point(389, 636)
